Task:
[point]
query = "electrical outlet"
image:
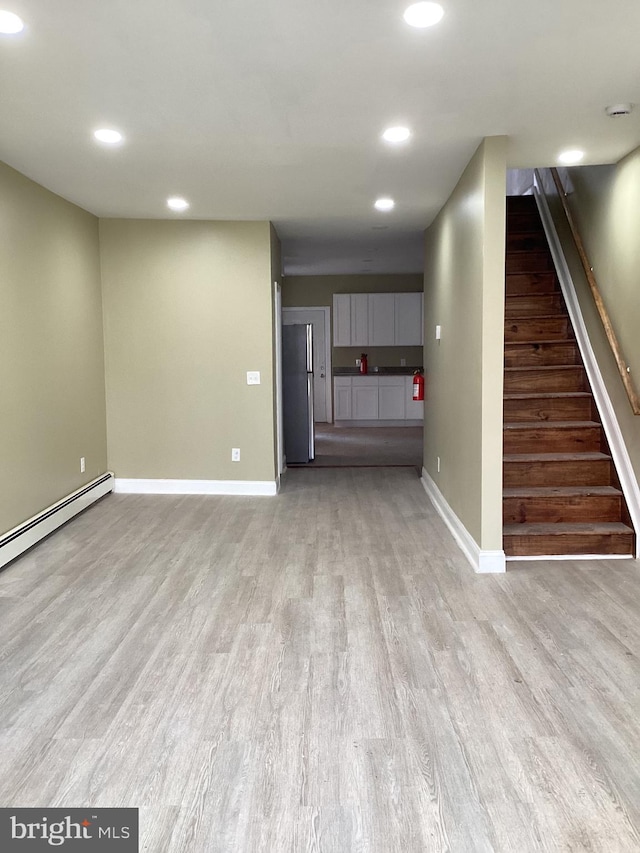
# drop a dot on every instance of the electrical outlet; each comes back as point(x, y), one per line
point(438, 458)
point(235, 454)
point(82, 465)
point(403, 362)
point(253, 377)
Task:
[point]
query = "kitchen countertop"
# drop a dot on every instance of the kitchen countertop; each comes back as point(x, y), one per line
point(376, 371)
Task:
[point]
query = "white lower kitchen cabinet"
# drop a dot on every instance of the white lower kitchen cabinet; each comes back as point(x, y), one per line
point(375, 400)
point(364, 402)
point(391, 394)
point(342, 402)
point(414, 409)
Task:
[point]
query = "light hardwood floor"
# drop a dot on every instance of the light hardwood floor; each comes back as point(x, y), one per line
point(321, 672)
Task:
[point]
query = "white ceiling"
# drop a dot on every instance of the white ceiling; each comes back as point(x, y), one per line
point(273, 109)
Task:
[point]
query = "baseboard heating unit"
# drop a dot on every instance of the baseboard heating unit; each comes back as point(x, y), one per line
point(30, 532)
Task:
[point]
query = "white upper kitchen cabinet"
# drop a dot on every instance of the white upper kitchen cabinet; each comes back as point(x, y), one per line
point(359, 319)
point(377, 319)
point(342, 320)
point(408, 319)
point(382, 319)
point(350, 319)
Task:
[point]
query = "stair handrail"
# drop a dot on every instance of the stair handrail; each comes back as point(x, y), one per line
point(623, 368)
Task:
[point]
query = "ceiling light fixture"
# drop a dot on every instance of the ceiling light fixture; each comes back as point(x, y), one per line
point(396, 134)
point(10, 24)
point(571, 157)
point(384, 204)
point(178, 204)
point(108, 136)
point(423, 15)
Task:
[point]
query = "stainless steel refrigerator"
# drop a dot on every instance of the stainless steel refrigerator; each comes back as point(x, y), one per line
point(297, 392)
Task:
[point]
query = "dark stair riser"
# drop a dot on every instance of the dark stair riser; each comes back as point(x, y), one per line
point(551, 510)
point(521, 204)
point(527, 241)
point(529, 262)
point(530, 283)
point(549, 409)
point(551, 439)
point(537, 328)
point(535, 305)
point(570, 544)
point(545, 379)
point(575, 472)
point(524, 223)
point(543, 354)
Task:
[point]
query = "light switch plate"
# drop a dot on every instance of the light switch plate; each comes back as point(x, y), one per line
point(253, 377)
point(438, 333)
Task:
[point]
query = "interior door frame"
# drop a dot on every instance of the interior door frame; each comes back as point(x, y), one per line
point(327, 347)
point(277, 304)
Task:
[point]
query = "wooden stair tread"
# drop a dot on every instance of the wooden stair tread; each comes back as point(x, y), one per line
point(552, 425)
point(530, 231)
point(538, 343)
point(528, 318)
point(530, 368)
point(545, 395)
point(557, 529)
point(560, 491)
point(587, 456)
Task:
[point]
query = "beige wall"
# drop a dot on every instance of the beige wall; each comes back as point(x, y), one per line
point(606, 205)
point(52, 405)
point(305, 290)
point(464, 294)
point(188, 310)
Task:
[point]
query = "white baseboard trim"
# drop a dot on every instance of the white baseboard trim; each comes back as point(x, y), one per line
point(15, 542)
point(483, 562)
point(572, 557)
point(195, 487)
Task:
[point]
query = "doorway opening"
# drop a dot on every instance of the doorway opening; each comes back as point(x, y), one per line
point(390, 437)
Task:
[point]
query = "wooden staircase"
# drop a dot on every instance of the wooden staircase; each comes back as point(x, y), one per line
point(561, 494)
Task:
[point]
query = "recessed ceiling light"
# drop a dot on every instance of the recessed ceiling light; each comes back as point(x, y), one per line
point(178, 204)
point(616, 110)
point(10, 24)
point(423, 14)
point(108, 135)
point(396, 134)
point(384, 204)
point(571, 157)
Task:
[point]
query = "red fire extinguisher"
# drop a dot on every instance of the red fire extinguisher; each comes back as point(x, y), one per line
point(418, 386)
point(363, 363)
